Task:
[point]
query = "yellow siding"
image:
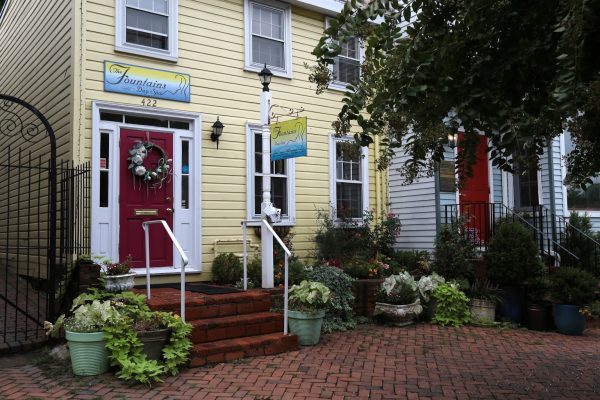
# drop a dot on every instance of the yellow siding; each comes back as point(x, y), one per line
point(211, 50)
point(35, 61)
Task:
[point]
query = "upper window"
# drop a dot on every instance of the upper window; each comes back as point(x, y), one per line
point(282, 180)
point(147, 27)
point(577, 198)
point(346, 66)
point(349, 179)
point(268, 37)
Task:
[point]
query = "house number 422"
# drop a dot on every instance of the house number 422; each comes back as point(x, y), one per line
point(149, 102)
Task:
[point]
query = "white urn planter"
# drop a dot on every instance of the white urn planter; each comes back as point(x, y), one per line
point(483, 310)
point(119, 283)
point(399, 314)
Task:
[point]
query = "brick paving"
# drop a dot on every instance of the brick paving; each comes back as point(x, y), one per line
point(373, 362)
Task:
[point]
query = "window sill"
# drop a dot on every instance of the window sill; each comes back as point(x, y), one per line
point(147, 53)
point(278, 73)
point(257, 222)
point(338, 87)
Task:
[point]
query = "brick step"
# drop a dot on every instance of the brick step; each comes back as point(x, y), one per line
point(233, 349)
point(200, 306)
point(235, 326)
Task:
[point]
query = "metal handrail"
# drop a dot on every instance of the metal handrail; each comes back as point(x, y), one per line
point(288, 254)
point(184, 259)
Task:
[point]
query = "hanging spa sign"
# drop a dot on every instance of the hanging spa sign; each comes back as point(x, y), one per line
point(146, 82)
point(288, 139)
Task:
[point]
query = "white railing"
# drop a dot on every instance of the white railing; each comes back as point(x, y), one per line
point(288, 254)
point(184, 260)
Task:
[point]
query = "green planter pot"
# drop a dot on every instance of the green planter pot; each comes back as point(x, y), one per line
point(306, 326)
point(89, 355)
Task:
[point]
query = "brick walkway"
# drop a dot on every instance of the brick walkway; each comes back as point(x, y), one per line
point(418, 362)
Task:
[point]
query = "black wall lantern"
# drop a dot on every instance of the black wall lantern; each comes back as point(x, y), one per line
point(217, 130)
point(265, 78)
point(452, 140)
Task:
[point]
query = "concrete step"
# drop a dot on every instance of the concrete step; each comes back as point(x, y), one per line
point(235, 326)
point(233, 349)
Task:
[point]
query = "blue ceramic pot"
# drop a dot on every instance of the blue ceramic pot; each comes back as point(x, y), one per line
point(568, 320)
point(512, 305)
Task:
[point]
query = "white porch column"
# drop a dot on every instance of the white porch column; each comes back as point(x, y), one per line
point(266, 236)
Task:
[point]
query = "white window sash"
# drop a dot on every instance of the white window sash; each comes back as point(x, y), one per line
point(249, 65)
point(121, 44)
point(333, 180)
point(339, 85)
point(251, 191)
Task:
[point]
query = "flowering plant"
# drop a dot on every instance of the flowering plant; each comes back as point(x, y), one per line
point(399, 289)
point(591, 311)
point(120, 268)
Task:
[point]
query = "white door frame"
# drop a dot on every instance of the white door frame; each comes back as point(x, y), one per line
point(105, 220)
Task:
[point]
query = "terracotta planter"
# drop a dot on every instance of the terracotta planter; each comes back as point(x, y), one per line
point(399, 314)
point(483, 310)
point(119, 283)
point(364, 291)
point(154, 342)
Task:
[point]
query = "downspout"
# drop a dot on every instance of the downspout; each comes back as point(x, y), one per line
point(551, 189)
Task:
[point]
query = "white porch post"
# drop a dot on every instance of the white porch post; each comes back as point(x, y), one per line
point(266, 236)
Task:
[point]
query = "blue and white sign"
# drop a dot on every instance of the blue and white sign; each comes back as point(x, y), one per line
point(146, 82)
point(288, 139)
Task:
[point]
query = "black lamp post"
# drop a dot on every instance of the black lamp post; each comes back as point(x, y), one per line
point(217, 130)
point(265, 78)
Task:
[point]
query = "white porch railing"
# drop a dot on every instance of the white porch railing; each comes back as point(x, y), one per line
point(184, 259)
point(288, 254)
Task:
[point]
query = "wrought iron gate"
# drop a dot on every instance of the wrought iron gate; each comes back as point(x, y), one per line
point(44, 223)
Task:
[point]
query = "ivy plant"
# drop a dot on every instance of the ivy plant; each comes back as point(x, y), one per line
point(452, 307)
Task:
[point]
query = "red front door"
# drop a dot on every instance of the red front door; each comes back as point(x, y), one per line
point(144, 201)
point(474, 194)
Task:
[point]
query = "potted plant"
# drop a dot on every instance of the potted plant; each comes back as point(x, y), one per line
point(118, 276)
point(427, 285)
point(367, 276)
point(591, 312)
point(570, 289)
point(512, 259)
point(398, 300)
point(538, 308)
point(484, 298)
point(452, 307)
point(307, 309)
point(84, 332)
point(153, 332)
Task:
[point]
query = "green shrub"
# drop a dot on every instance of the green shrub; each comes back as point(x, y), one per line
point(579, 239)
point(452, 252)
point(414, 261)
point(296, 271)
point(512, 257)
point(572, 286)
point(339, 315)
point(452, 308)
point(227, 268)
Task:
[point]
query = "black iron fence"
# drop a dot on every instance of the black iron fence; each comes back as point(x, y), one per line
point(553, 234)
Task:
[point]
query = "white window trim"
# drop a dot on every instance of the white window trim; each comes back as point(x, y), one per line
point(333, 177)
point(338, 85)
point(120, 34)
point(287, 36)
point(252, 219)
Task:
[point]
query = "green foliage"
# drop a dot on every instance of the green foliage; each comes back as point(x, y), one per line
point(414, 261)
point(346, 239)
point(339, 315)
point(427, 285)
point(512, 257)
point(227, 268)
point(452, 252)
point(309, 296)
point(581, 241)
point(572, 286)
point(416, 86)
point(537, 290)
point(452, 308)
point(296, 271)
point(485, 290)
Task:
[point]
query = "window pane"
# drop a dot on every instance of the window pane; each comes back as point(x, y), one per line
point(104, 116)
point(267, 51)
point(147, 39)
point(104, 151)
point(185, 191)
point(346, 70)
point(279, 194)
point(350, 48)
point(278, 167)
point(257, 194)
point(147, 21)
point(349, 200)
point(103, 188)
point(588, 199)
point(179, 125)
point(267, 22)
point(133, 119)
